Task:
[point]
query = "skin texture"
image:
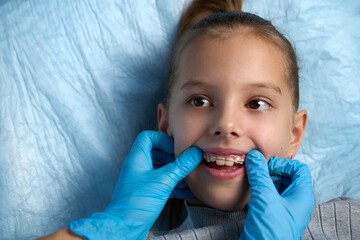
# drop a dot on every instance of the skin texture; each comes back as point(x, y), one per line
point(231, 93)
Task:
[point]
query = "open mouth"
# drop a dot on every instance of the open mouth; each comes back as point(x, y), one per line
point(226, 163)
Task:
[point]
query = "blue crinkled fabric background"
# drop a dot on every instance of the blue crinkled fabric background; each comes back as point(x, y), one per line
point(80, 79)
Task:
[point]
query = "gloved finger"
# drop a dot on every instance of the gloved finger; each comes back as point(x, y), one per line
point(181, 193)
point(293, 169)
point(300, 176)
point(147, 140)
point(299, 191)
point(258, 174)
point(185, 163)
point(281, 183)
point(161, 158)
point(140, 153)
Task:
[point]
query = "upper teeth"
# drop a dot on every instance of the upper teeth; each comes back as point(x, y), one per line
point(224, 160)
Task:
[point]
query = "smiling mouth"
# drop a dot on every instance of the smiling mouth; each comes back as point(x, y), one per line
point(225, 163)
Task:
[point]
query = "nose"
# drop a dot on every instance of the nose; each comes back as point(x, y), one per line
point(226, 123)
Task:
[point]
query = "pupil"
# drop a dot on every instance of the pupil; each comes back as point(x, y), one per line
point(198, 102)
point(254, 104)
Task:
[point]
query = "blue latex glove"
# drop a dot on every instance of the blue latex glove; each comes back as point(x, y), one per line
point(271, 215)
point(141, 191)
point(161, 158)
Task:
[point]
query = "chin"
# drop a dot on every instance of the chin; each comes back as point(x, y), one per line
point(223, 199)
point(228, 203)
point(225, 195)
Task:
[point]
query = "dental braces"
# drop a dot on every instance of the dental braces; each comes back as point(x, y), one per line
point(230, 160)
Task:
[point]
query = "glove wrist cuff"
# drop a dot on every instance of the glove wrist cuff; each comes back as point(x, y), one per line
point(103, 225)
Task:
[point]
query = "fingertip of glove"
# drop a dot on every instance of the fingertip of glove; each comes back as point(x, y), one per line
point(254, 157)
point(189, 159)
point(154, 134)
point(192, 153)
point(254, 153)
point(196, 152)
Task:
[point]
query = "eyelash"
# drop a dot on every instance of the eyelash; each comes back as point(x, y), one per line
point(258, 99)
point(191, 101)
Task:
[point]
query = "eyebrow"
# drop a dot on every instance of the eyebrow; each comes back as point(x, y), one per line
point(270, 86)
point(266, 86)
point(193, 83)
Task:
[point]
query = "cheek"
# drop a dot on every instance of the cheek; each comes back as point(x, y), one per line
point(185, 131)
point(272, 138)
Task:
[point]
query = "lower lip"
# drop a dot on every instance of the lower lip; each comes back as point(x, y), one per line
point(223, 175)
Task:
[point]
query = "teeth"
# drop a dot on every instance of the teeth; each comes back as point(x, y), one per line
point(222, 160)
point(229, 163)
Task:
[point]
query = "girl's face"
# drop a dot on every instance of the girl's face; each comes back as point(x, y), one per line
point(231, 95)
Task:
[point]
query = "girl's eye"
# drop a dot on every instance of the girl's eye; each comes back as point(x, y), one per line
point(200, 102)
point(258, 104)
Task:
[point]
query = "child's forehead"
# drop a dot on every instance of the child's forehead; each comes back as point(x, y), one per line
point(244, 37)
point(238, 53)
point(212, 60)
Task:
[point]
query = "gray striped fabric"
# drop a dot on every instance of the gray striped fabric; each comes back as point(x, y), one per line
point(336, 219)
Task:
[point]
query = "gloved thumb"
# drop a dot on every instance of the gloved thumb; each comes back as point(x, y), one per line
point(185, 163)
point(257, 171)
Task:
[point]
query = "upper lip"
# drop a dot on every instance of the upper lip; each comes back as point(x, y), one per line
point(224, 151)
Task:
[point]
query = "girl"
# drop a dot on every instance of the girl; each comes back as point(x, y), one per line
point(232, 88)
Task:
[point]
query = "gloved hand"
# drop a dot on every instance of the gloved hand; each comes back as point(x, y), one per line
point(160, 159)
point(141, 191)
point(271, 215)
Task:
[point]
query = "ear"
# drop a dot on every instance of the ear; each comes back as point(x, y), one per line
point(162, 118)
point(298, 131)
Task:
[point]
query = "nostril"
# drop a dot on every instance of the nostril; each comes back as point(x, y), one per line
point(217, 133)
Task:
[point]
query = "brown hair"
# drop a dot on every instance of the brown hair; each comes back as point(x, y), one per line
point(199, 9)
point(222, 18)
